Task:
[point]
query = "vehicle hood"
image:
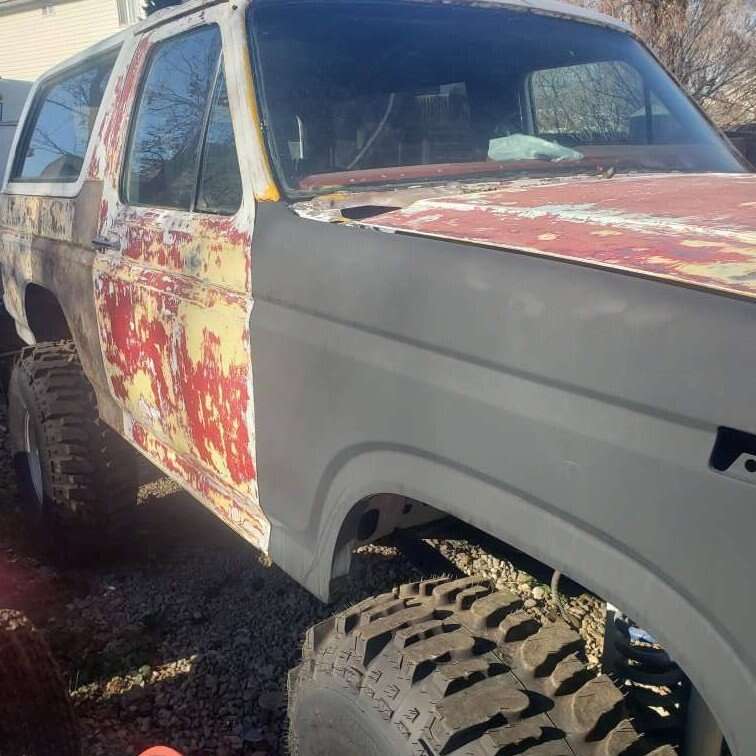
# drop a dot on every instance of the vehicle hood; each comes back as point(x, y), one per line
point(697, 229)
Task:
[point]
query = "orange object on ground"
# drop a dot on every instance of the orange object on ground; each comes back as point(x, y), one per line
point(160, 751)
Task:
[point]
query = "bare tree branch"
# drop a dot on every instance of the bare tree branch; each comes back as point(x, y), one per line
point(709, 45)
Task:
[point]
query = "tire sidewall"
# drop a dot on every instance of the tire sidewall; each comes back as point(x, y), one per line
point(50, 528)
point(22, 400)
point(340, 722)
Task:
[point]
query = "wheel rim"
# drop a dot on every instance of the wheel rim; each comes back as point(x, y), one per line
point(33, 459)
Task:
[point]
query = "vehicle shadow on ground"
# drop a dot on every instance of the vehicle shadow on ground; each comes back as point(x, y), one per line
point(186, 637)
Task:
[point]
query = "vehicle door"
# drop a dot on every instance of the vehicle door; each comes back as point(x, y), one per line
point(172, 275)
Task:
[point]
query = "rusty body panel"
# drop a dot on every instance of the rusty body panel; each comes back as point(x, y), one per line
point(692, 229)
point(161, 322)
point(25, 221)
point(173, 304)
point(47, 239)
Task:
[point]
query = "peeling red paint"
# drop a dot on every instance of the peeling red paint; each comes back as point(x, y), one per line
point(112, 130)
point(232, 508)
point(155, 246)
point(173, 298)
point(232, 236)
point(203, 384)
point(144, 333)
point(103, 213)
point(135, 343)
point(696, 229)
point(94, 168)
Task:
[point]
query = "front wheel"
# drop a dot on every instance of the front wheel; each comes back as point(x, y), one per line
point(453, 667)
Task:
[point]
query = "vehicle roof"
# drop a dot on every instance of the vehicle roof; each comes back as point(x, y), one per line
point(544, 7)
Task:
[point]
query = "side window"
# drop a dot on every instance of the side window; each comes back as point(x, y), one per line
point(220, 189)
point(161, 168)
point(593, 103)
point(62, 117)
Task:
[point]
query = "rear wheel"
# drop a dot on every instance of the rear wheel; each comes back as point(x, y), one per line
point(78, 478)
point(453, 667)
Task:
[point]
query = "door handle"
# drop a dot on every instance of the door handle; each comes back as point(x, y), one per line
point(734, 454)
point(102, 243)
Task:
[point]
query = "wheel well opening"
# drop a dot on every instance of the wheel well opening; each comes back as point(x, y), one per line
point(10, 343)
point(9, 338)
point(44, 314)
point(656, 690)
point(375, 517)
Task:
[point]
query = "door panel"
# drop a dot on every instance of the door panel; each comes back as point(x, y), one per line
point(173, 294)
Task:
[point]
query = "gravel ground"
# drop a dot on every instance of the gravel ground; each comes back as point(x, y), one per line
point(187, 639)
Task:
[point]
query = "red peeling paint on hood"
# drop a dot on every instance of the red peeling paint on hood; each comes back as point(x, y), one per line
point(697, 229)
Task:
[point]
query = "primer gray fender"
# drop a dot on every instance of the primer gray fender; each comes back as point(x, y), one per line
point(538, 530)
point(567, 410)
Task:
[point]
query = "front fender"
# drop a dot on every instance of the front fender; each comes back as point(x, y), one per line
point(566, 410)
point(542, 531)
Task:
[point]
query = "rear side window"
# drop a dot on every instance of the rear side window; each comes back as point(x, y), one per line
point(600, 103)
point(593, 103)
point(56, 138)
point(184, 96)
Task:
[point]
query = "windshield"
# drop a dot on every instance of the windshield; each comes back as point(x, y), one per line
point(384, 93)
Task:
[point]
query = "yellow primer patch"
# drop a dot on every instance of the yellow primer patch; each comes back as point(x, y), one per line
point(745, 271)
point(547, 237)
point(270, 193)
point(227, 265)
point(661, 260)
point(225, 323)
point(140, 389)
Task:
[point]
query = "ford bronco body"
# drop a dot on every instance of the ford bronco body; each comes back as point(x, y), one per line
point(473, 259)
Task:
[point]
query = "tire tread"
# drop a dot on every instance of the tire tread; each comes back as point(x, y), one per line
point(91, 470)
point(459, 668)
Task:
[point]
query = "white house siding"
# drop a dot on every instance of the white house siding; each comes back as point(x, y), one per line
point(38, 36)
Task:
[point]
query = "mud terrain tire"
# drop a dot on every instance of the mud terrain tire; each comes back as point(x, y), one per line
point(452, 667)
point(36, 716)
point(82, 504)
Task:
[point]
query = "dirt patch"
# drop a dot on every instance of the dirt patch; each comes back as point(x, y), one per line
point(187, 639)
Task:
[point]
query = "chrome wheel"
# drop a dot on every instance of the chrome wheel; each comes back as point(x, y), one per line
point(33, 458)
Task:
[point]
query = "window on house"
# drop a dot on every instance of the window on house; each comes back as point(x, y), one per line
point(171, 117)
point(55, 141)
